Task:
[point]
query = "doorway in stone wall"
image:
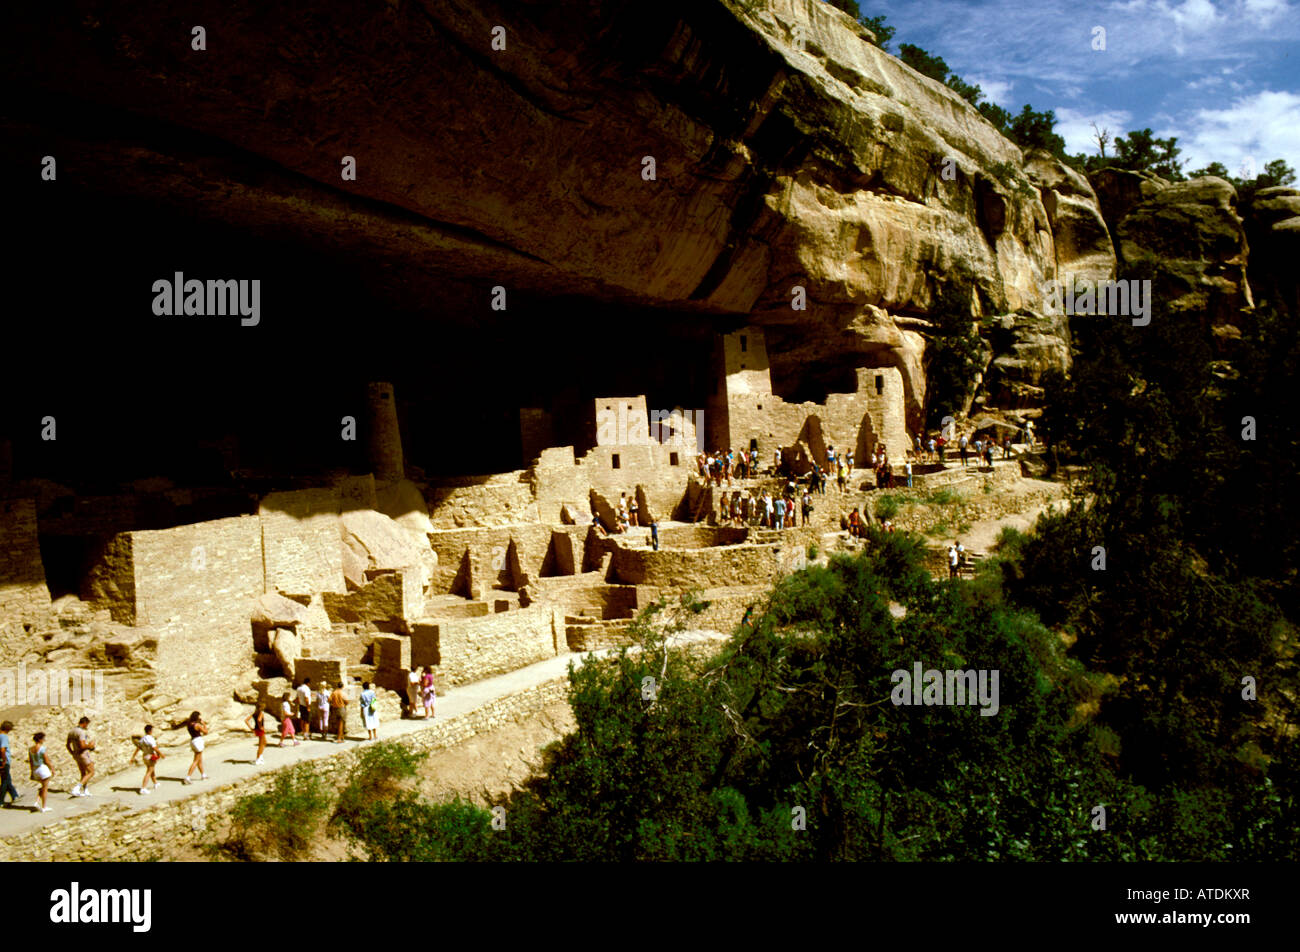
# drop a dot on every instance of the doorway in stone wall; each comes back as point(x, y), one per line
point(866, 443)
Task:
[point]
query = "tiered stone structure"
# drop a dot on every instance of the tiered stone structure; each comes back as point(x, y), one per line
point(744, 411)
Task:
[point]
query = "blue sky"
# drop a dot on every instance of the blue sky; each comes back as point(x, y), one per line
point(1221, 75)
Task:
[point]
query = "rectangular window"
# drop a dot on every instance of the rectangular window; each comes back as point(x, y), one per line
point(880, 384)
point(672, 459)
point(744, 343)
point(615, 465)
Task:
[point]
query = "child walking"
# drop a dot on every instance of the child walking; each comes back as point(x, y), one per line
point(149, 747)
point(286, 720)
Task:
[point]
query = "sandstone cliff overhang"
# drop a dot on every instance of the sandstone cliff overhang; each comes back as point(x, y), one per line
point(787, 151)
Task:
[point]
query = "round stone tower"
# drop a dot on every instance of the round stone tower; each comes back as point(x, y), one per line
point(385, 439)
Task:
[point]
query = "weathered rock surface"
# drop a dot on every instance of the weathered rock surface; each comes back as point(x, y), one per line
point(274, 610)
point(788, 151)
point(1273, 230)
point(1080, 238)
point(1119, 190)
point(374, 542)
point(1192, 231)
point(287, 646)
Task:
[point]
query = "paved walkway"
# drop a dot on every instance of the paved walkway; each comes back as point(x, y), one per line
point(232, 760)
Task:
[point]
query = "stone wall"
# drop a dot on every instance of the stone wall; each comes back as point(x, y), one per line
point(700, 536)
point(195, 585)
point(470, 649)
point(389, 601)
point(122, 832)
point(700, 568)
point(24, 596)
point(559, 478)
point(502, 499)
point(109, 581)
point(727, 608)
point(301, 542)
point(209, 570)
point(874, 413)
point(588, 593)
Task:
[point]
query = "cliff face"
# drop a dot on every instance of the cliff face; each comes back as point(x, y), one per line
point(1197, 240)
point(788, 151)
point(1273, 230)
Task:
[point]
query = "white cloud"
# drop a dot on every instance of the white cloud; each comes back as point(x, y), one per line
point(1261, 127)
point(1265, 12)
point(1051, 42)
point(1075, 127)
point(995, 90)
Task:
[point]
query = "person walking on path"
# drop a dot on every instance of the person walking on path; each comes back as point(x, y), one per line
point(257, 724)
point(654, 534)
point(149, 747)
point(908, 469)
point(339, 713)
point(197, 729)
point(304, 695)
point(80, 747)
point(6, 780)
point(953, 561)
point(286, 720)
point(41, 769)
point(369, 716)
point(429, 693)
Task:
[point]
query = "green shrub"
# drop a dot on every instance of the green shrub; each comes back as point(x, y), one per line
point(382, 774)
point(887, 507)
point(409, 829)
point(279, 823)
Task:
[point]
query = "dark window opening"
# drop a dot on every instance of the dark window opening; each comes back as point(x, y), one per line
point(615, 465)
point(880, 384)
point(744, 343)
point(672, 459)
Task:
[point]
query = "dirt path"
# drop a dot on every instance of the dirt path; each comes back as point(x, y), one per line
point(982, 535)
point(232, 761)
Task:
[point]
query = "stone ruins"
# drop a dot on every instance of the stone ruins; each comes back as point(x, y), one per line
point(370, 576)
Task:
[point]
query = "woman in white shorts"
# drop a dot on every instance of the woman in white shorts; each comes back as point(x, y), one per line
point(197, 729)
point(41, 769)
